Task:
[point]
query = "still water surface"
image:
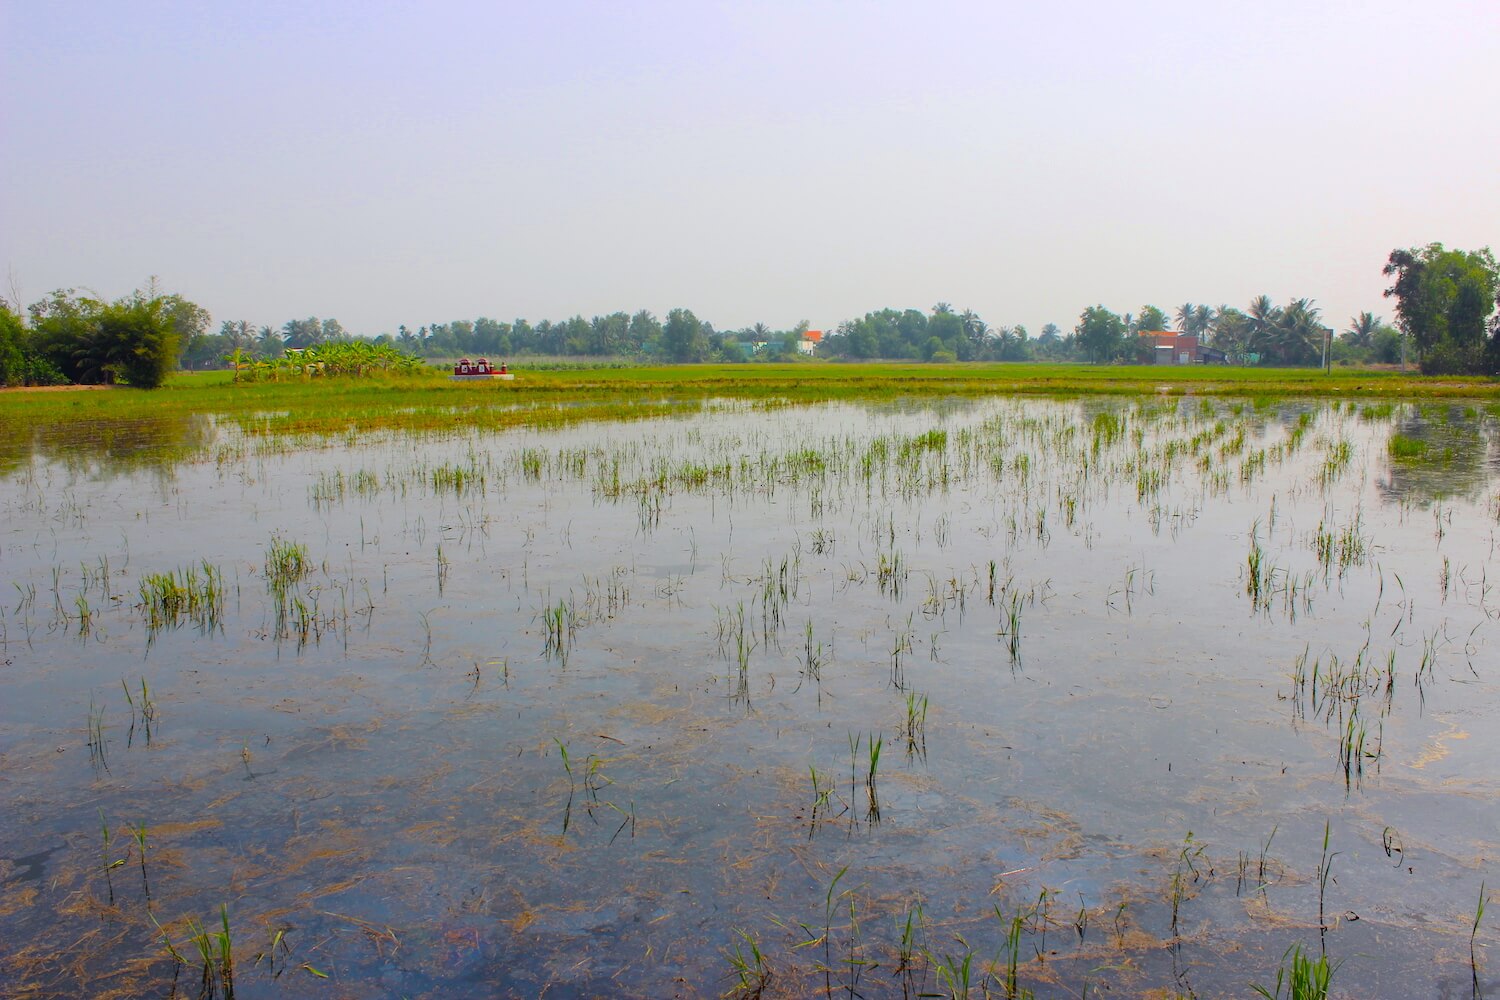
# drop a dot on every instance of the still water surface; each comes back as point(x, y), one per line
point(839, 695)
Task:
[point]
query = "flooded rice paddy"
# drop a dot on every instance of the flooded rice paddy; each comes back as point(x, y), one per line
point(1115, 697)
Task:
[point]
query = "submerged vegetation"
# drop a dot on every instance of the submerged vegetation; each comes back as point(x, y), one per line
point(866, 683)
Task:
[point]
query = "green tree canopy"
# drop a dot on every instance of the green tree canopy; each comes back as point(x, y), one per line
point(1443, 301)
point(683, 336)
point(132, 340)
point(1100, 334)
point(1151, 319)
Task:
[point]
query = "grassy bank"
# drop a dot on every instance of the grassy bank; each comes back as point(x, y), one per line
point(552, 397)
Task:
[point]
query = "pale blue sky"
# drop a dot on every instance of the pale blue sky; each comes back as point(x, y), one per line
point(388, 164)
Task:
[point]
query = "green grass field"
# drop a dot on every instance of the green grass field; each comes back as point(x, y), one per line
point(540, 397)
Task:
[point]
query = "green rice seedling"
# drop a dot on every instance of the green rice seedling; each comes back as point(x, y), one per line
point(1325, 875)
point(822, 790)
point(216, 952)
point(854, 745)
point(442, 569)
point(567, 764)
point(147, 709)
point(59, 614)
point(1404, 448)
point(908, 929)
point(1010, 953)
point(954, 972)
point(1257, 575)
point(891, 574)
point(138, 832)
point(626, 819)
point(169, 599)
point(110, 863)
point(286, 565)
point(872, 795)
point(1304, 978)
point(812, 660)
point(1474, 932)
point(594, 777)
point(1265, 853)
point(560, 623)
point(900, 649)
point(166, 939)
point(96, 741)
point(85, 615)
point(914, 727)
point(1010, 627)
point(27, 600)
point(748, 970)
point(1186, 859)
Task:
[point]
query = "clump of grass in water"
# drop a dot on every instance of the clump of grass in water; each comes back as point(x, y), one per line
point(820, 803)
point(169, 599)
point(147, 710)
point(286, 565)
point(560, 622)
point(915, 727)
point(110, 863)
point(139, 833)
point(750, 971)
point(1303, 977)
point(1404, 448)
point(216, 951)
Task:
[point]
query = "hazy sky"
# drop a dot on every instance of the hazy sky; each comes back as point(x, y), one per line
point(419, 163)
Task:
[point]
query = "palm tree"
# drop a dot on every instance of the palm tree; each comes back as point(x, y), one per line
point(1362, 329)
point(1185, 313)
point(1297, 335)
point(269, 342)
point(1263, 318)
point(1202, 319)
point(977, 330)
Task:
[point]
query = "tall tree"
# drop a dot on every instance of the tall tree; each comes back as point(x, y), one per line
point(1185, 313)
point(268, 342)
point(1362, 330)
point(1100, 334)
point(300, 334)
point(12, 347)
point(1150, 319)
point(682, 336)
point(645, 331)
point(1443, 300)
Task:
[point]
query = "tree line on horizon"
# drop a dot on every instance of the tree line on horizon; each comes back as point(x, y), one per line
point(1444, 301)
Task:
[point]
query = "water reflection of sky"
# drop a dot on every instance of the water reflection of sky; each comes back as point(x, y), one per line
point(393, 787)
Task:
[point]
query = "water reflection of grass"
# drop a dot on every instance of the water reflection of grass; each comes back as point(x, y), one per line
point(1046, 483)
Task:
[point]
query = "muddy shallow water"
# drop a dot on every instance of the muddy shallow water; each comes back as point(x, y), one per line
point(837, 698)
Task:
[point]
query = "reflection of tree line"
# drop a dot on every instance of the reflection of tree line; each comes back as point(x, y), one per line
point(1461, 458)
point(120, 445)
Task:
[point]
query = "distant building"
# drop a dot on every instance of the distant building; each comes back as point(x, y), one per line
point(809, 342)
point(1170, 348)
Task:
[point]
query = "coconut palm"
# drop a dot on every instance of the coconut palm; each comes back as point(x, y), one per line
point(1203, 318)
point(1185, 313)
point(268, 343)
point(1362, 329)
point(1263, 315)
